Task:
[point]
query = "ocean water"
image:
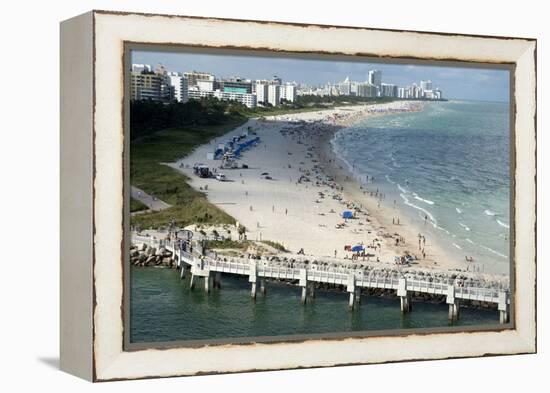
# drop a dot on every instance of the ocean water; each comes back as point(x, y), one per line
point(449, 162)
point(163, 309)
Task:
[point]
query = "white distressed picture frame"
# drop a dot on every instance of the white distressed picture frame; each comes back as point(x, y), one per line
point(92, 194)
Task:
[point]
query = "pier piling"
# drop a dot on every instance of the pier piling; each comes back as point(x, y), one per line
point(208, 282)
point(218, 280)
point(312, 290)
point(406, 305)
point(303, 283)
point(263, 289)
point(503, 308)
point(351, 303)
point(352, 289)
point(304, 295)
point(192, 282)
point(454, 311)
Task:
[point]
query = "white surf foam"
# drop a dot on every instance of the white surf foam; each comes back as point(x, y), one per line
point(495, 252)
point(426, 212)
point(503, 224)
point(458, 210)
point(489, 213)
point(457, 246)
point(464, 226)
point(422, 199)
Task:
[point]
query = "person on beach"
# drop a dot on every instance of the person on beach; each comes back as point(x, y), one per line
point(424, 240)
point(286, 211)
point(398, 221)
point(425, 219)
point(419, 247)
point(250, 207)
point(335, 252)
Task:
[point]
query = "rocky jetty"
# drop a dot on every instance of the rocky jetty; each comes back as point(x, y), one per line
point(144, 255)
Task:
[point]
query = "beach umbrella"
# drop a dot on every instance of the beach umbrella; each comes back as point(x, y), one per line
point(347, 214)
point(357, 248)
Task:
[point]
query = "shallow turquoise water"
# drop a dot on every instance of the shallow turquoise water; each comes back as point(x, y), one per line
point(450, 163)
point(163, 308)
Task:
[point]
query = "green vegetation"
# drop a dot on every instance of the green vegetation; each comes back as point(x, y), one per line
point(147, 172)
point(275, 245)
point(226, 243)
point(136, 206)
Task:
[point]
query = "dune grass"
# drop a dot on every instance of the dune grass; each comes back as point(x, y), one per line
point(148, 173)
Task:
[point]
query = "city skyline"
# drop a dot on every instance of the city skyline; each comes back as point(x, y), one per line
point(457, 82)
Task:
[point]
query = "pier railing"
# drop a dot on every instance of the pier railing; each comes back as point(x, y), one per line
point(306, 273)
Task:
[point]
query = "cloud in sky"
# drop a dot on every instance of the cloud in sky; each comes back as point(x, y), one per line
point(455, 82)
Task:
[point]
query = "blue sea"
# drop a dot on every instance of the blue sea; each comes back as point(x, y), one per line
point(449, 163)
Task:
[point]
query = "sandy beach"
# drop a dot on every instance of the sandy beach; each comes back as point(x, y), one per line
point(295, 191)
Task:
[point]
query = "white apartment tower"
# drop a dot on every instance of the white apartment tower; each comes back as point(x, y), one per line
point(261, 92)
point(273, 94)
point(179, 86)
point(287, 92)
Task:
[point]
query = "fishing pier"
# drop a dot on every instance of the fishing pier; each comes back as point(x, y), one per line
point(190, 260)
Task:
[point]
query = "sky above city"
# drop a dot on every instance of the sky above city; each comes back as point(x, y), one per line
point(455, 82)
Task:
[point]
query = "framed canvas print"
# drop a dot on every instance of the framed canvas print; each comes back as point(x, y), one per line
point(249, 195)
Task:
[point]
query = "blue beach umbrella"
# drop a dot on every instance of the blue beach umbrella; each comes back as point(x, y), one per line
point(357, 248)
point(347, 214)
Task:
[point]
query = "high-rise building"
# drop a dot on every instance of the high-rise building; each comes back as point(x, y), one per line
point(236, 85)
point(141, 68)
point(414, 91)
point(388, 90)
point(146, 85)
point(206, 85)
point(366, 90)
point(194, 76)
point(288, 92)
point(401, 92)
point(244, 98)
point(261, 88)
point(375, 78)
point(179, 86)
point(276, 80)
point(345, 87)
point(273, 94)
point(426, 85)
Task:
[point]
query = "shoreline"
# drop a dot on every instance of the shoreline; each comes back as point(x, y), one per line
point(283, 210)
point(336, 167)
